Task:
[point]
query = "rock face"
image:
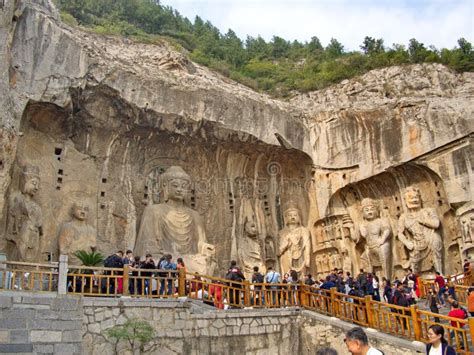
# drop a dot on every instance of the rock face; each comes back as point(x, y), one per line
point(103, 118)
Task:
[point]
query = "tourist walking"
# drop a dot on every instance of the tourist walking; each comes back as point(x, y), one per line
point(470, 301)
point(432, 303)
point(273, 277)
point(437, 345)
point(234, 274)
point(257, 281)
point(440, 284)
point(167, 264)
point(358, 344)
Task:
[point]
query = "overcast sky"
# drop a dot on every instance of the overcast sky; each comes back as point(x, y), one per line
point(437, 22)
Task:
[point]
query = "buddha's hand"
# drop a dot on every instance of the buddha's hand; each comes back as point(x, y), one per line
point(208, 249)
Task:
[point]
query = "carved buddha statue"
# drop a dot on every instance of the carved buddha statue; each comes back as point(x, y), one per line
point(173, 228)
point(25, 218)
point(295, 243)
point(376, 231)
point(418, 231)
point(77, 234)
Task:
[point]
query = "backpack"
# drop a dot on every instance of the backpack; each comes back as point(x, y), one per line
point(466, 315)
point(233, 275)
point(113, 261)
point(257, 278)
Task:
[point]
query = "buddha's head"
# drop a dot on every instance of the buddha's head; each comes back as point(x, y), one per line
point(30, 180)
point(369, 209)
point(176, 184)
point(292, 216)
point(80, 211)
point(412, 198)
point(250, 227)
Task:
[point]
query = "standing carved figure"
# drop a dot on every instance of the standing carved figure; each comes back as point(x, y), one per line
point(173, 228)
point(249, 247)
point(418, 231)
point(77, 234)
point(295, 243)
point(377, 232)
point(25, 218)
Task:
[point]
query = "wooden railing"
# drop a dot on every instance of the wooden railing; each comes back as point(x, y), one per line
point(407, 322)
point(126, 281)
point(224, 293)
point(22, 276)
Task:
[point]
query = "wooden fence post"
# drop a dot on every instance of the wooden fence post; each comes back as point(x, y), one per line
point(181, 282)
point(470, 324)
point(302, 296)
point(369, 311)
point(246, 294)
point(333, 301)
point(416, 321)
point(125, 288)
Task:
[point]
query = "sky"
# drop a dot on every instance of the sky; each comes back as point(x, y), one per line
point(433, 22)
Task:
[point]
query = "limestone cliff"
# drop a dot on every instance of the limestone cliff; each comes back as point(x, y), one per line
point(103, 117)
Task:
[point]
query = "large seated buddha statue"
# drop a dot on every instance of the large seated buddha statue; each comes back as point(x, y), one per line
point(171, 227)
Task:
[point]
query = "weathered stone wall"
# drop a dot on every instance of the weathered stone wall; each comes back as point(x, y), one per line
point(40, 323)
point(181, 328)
point(184, 327)
point(47, 323)
point(319, 331)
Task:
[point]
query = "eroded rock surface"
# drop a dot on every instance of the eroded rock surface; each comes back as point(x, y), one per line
point(105, 117)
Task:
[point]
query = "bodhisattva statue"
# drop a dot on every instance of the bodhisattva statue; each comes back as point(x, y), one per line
point(77, 234)
point(377, 232)
point(173, 228)
point(417, 230)
point(25, 218)
point(295, 243)
point(249, 249)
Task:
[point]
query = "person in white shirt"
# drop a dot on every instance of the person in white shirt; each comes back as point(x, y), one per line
point(358, 344)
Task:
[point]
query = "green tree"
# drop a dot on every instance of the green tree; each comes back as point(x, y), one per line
point(136, 332)
point(416, 51)
point(92, 258)
point(314, 47)
point(257, 48)
point(334, 49)
point(280, 47)
point(372, 46)
point(233, 49)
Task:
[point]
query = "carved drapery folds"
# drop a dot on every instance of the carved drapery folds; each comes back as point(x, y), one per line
point(295, 244)
point(25, 218)
point(173, 227)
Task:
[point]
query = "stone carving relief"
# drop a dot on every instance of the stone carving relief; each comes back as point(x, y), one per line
point(25, 218)
point(77, 234)
point(418, 231)
point(333, 245)
point(270, 254)
point(295, 244)
point(465, 216)
point(376, 232)
point(173, 227)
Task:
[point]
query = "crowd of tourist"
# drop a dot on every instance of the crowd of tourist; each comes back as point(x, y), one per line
point(157, 278)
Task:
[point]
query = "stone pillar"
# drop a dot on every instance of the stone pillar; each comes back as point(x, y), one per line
point(62, 277)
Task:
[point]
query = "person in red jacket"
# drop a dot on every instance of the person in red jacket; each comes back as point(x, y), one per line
point(456, 312)
point(440, 284)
